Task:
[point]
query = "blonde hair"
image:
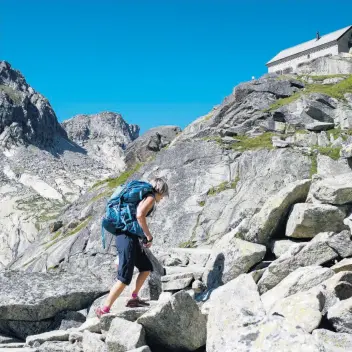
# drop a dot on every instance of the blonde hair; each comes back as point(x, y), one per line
point(160, 186)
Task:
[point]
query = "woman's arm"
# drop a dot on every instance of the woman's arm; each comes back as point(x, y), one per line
point(144, 207)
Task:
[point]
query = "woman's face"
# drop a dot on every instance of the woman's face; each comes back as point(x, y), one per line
point(158, 197)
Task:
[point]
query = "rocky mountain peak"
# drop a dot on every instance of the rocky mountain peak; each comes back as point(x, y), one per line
point(85, 129)
point(26, 117)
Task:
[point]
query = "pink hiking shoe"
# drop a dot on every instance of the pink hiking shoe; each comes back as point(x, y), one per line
point(137, 302)
point(101, 311)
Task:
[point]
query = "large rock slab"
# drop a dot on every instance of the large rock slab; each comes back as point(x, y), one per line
point(57, 335)
point(21, 329)
point(176, 324)
point(333, 341)
point(271, 334)
point(340, 316)
point(335, 190)
point(301, 309)
point(264, 224)
point(302, 279)
point(176, 281)
point(37, 296)
point(93, 342)
point(235, 305)
point(323, 248)
point(124, 336)
point(231, 257)
point(307, 220)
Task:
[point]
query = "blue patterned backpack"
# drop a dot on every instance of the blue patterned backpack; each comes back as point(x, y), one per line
point(121, 209)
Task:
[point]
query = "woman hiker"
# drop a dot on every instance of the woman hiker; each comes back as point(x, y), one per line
point(131, 252)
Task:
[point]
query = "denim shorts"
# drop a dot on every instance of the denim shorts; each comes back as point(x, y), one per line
point(131, 254)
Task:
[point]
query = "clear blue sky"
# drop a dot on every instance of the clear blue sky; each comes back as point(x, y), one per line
point(156, 62)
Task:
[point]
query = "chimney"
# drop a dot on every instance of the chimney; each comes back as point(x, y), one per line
point(318, 35)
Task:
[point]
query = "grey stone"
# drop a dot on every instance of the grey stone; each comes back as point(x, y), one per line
point(281, 246)
point(264, 224)
point(176, 281)
point(346, 150)
point(124, 335)
point(271, 334)
point(323, 248)
point(301, 309)
point(175, 324)
point(49, 294)
point(307, 220)
point(154, 140)
point(231, 257)
point(55, 226)
point(91, 325)
point(93, 342)
point(75, 336)
point(340, 316)
point(339, 242)
point(279, 143)
point(333, 341)
point(334, 289)
point(230, 307)
point(164, 297)
point(195, 256)
point(196, 270)
point(70, 319)
point(55, 346)
point(335, 190)
point(302, 279)
point(21, 329)
point(56, 335)
point(329, 167)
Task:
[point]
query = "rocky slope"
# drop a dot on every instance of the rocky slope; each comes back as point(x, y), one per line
point(257, 230)
point(42, 169)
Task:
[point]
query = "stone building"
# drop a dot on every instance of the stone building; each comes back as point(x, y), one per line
point(334, 43)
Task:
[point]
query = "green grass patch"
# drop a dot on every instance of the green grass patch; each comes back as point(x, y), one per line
point(12, 93)
point(207, 117)
point(56, 238)
point(201, 203)
point(262, 141)
point(187, 244)
point(320, 78)
point(332, 152)
point(114, 182)
point(79, 227)
point(56, 235)
point(337, 91)
point(314, 165)
point(283, 101)
point(101, 195)
point(29, 262)
point(223, 187)
point(117, 181)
